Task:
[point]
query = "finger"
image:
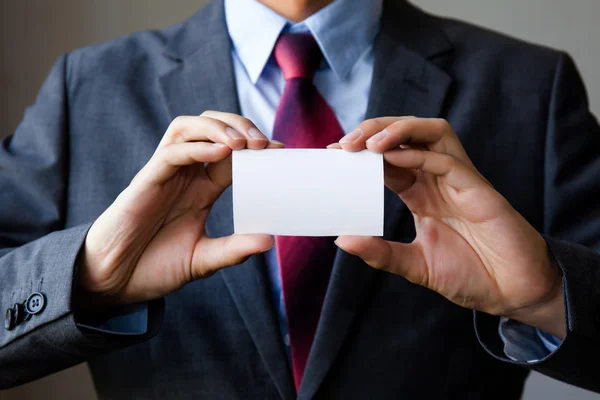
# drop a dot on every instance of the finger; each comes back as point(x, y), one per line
point(405, 259)
point(255, 138)
point(275, 144)
point(355, 140)
point(398, 179)
point(334, 146)
point(169, 159)
point(456, 173)
point(211, 255)
point(436, 134)
point(205, 129)
point(220, 172)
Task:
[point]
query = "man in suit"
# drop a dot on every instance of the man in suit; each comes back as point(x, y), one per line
point(115, 197)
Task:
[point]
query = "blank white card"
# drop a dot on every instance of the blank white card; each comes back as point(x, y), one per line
point(308, 192)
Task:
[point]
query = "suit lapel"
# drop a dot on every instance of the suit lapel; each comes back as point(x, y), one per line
point(202, 78)
point(405, 82)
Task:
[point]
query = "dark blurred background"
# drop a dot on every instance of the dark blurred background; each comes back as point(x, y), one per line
point(35, 32)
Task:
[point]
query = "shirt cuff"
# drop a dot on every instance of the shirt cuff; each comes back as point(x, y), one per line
point(524, 343)
point(551, 342)
point(125, 320)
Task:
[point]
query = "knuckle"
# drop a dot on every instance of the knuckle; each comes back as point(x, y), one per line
point(175, 128)
point(449, 162)
point(227, 255)
point(223, 126)
point(163, 154)
point(247, 123)
point(400, 127)
point(205, 262)
point(377, 264)
point(407, 125)
point(198, 266)
point(178, 122)
point(369, 126)
point(208, 113)
point(211, 124)
point(442, 126)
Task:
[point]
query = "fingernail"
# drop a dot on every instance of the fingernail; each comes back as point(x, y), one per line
point(378, 137)
point(232, 133)
point(219, 144)
point(255, 134)
point(277, 142)
point(352, 136)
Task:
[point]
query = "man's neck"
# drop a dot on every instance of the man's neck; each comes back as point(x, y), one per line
point(296, 10)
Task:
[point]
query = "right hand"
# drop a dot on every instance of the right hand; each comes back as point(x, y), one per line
point(152, 240)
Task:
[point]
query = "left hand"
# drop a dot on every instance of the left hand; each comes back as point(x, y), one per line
point(471, 245)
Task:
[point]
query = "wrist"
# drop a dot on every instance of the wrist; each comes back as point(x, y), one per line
point(86, 297)
point(548, 314)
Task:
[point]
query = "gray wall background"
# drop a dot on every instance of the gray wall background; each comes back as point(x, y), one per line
point(35, 32)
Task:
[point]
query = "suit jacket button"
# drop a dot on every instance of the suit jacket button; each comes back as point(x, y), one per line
point(35, 303)
point(19, 312)
point(9, 319)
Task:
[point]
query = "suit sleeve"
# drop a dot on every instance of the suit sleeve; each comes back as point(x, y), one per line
point(571, 230)
point(37, 253)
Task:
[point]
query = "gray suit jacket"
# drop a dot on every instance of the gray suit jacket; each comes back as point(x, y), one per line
point(520, 111)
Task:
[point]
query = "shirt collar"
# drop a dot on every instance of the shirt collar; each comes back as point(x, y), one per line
point(344, 30)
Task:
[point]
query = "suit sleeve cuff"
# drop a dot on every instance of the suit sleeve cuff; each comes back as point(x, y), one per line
point(125, 320)
point(570, 361)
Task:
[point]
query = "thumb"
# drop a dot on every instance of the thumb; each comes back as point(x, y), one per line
point(211, 255)
point(404, 259)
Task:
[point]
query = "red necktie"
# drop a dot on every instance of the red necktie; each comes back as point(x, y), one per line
point(303, 120)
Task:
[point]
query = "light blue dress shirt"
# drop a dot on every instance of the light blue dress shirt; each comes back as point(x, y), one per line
point(346, 38)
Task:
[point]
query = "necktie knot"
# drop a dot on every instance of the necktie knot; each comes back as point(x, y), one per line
point(298, 55)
